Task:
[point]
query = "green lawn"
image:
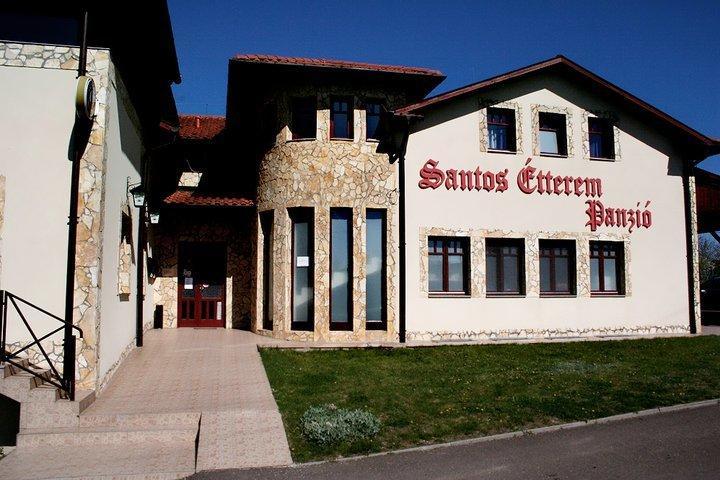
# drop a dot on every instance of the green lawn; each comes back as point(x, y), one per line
point(429, 395)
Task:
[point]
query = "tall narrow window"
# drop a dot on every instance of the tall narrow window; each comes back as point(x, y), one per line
point(602, 143)
point(376, 271)
point(553, 134)
point(501, 129)
point(341, 269)
point(266, 224)
point(505, 266)
point(607, 268)
point(341, 117)
point(557, 267)
point(303, 118)
point(303, 298)
point(372, 119)
point(448, 265)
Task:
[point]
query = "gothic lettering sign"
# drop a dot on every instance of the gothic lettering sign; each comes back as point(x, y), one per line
point(532, 181)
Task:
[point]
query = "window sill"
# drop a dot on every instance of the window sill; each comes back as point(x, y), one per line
point(504, 295)
point(506, 152)
point(553, 155)
point(448, 295)
point(372, 140)
point(608, 295)
point(602, 159)
point(375, 326)
point(557, 295)
point(309, 139)
point(340, 139)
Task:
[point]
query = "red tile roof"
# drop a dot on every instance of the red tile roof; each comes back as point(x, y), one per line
point(201, 127)
point(192, 198)
point(338, 64)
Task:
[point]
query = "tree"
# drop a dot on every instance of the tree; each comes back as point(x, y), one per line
point(709, 251)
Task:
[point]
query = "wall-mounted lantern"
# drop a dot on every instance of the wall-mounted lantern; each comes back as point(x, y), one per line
point(138, 194)
point(154, 218)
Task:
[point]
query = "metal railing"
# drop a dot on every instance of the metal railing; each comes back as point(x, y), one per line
point(65, 381)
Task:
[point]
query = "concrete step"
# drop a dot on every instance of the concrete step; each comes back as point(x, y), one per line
point(53, 411)
point(182, 420)
point(157, 461)
point(10, 369)
point(95, 436)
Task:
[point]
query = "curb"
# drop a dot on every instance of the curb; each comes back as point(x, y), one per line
point(522, 433)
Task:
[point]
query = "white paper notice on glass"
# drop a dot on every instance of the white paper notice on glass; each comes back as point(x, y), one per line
point(188, 283)
point(218, 311)
point(303, 261)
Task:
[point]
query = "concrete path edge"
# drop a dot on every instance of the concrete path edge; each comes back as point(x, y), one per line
point(520, 433)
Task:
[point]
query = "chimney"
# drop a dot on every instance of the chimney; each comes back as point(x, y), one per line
point(197, 122)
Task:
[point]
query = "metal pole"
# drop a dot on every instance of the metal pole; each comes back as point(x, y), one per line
point(68, 338)
point(140, 274)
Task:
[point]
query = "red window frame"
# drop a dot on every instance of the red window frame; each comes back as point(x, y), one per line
point(547, 250)
point(446, 247)
point(494, 248)
point(348, 111)
point(602, 128)
point(303, 118)
point(602, 250)
point(554, 122)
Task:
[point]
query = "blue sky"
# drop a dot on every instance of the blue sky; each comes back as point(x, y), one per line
point(667, 53)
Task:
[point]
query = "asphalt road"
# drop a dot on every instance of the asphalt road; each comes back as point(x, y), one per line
point(676, 445)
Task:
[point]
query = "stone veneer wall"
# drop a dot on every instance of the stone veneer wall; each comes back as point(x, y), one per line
point(532, 282)
point(91, 198)
point(322, 174)
point(229, 226)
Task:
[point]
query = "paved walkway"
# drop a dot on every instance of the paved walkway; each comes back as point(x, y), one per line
point(681, 444)
point(216, 373)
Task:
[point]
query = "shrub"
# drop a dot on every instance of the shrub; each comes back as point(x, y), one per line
point(329, 425)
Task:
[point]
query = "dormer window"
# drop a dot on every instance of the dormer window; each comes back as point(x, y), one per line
point(303, 121)
point(601, 138)
point(501, 129)
point(553, 134)
point(341, 118)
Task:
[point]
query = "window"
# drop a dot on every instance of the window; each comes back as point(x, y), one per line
point(303, 298)
point(501, 129)
point(268, 125)
point(505, 266)
point(266, 224)
point(602, 143)
point(448, 265)
point(341, 269)
point(304, 118)
point(553, 134)
point(557, 267)
point(376, 271)
point(341, 118)
point(372, 119)
point(607, 268)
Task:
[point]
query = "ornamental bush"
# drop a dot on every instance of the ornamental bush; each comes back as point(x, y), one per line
point(329, 425)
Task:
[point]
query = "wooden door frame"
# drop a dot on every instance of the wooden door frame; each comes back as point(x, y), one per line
point(184, 248)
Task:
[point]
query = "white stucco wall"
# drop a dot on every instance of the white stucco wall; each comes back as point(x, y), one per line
point(36, 121)
point(123, 149)
point(647, 170)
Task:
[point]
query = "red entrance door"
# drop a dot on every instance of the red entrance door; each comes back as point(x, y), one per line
point(201, 285)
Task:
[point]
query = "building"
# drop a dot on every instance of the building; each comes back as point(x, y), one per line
point(544, 202)
point(40, 129)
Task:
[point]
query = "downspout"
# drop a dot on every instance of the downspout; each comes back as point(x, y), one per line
point(68, 338)
point(401, 226)
point(140, 294)
point(690, 246)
